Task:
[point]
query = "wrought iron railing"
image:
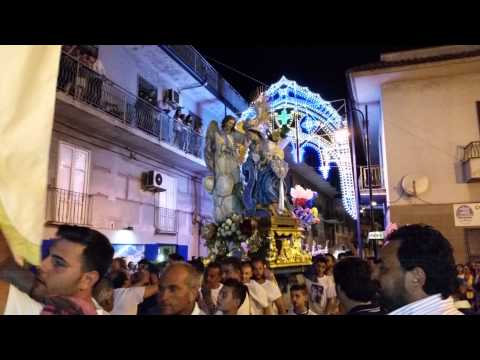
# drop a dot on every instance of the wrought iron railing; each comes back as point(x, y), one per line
point(377, 179)
point(68, 207)
point(206, 72)
point(85, 85)
point(472, 151)
point(166, 220)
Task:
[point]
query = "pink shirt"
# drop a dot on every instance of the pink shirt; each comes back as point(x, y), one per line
point(67, 305)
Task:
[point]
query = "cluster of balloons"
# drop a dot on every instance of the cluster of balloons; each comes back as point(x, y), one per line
point(303, 202)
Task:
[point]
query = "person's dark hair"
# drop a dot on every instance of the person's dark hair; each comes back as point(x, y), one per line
point(424, 247)
point(344, 255)
point(258, 259)
point(239, 289)
point(176, 257)
point(354, 277)
point(213, 265)
point(247, 263)
point(235, 262)
point(118, 279)
point(198, 265)
point(143, 262)
point(152, 268)
point(226, 118)
point(98, 252)
point(318, 259)
point(299, 287)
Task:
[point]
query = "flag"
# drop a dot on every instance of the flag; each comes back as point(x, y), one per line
point(28, 78)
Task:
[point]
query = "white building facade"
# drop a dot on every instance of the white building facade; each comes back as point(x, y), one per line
point(136, 109)
point(423, 112)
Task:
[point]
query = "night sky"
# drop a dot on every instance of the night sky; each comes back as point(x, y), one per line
point(321, 67)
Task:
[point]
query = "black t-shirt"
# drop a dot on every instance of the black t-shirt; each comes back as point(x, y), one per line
point(147, 304)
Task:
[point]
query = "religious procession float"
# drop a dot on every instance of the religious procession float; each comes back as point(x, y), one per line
point(254, 212)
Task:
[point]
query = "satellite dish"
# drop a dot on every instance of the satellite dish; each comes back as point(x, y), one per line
point(414, 185)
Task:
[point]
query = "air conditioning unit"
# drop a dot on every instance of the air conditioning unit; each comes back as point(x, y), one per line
point(172, 96)
point(152, 181)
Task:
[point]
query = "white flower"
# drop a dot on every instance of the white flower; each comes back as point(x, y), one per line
point(228, 222)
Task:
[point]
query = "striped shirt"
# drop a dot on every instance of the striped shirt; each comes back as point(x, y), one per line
point(432, 305)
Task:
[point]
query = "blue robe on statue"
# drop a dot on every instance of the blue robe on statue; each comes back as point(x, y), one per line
point(267, 186)
point(249, 173)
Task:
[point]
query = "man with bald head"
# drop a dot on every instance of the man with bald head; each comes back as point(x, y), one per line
point(178, 290)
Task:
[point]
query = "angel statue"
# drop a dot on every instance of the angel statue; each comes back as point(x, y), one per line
point(223, 156)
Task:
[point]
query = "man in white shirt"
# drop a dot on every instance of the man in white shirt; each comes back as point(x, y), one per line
point(274, 294)
point(417, 272)
point(125, 298)
point(321, 288)
point(211, 288)
point(178, 290)
point(299, 299)
point(232, 269)
point(231, 297)
point(78, 259)
point(330, 264)
point(259, 304)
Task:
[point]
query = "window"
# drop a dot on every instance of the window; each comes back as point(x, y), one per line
point(73, 166)
point(147, 91)
point(69, 202)
point(166, 214)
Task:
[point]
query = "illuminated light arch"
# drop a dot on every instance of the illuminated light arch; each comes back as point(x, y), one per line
point(323, 130)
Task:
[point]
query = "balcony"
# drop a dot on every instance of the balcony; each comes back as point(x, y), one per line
point(205, 72)
point(88, 87)
point(471, 162)
point(165, 221)
point(68, 207)
point(377, 178)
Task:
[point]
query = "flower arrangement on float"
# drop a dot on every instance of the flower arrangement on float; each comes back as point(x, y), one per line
point(303, 200)
point(235, 236)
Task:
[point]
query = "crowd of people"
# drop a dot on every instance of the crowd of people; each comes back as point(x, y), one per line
point(415, 274)
point(186, 132)
point(468, 292)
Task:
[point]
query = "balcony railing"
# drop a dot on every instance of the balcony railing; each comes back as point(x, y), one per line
point(472, 151)
point(68, 207)
point(165, 220)
point(377, 180)
point(85, 85)
point(206, 72)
